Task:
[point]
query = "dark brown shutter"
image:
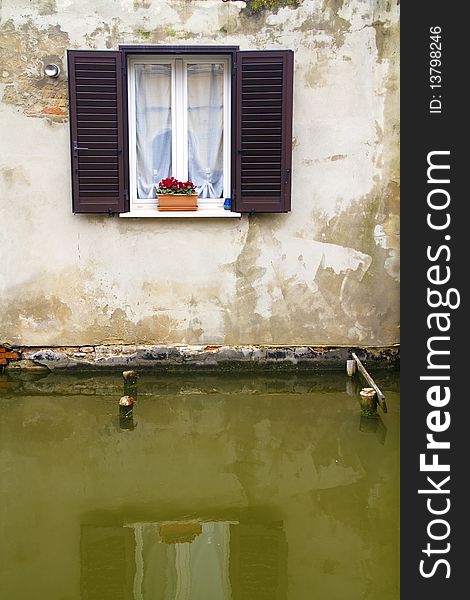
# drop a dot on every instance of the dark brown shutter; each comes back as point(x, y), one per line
point(97, 131)
point(263, 139)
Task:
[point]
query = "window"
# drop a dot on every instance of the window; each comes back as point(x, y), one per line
point(179, 125)
point(215, 115)
point(183, 559)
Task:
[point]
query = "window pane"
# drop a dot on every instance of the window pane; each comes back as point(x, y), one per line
point(205, 128)
point(153, 126)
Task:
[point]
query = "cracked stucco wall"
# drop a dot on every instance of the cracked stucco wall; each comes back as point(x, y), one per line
point(326, 273)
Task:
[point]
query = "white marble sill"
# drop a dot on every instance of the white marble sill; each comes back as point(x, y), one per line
point(205, 210)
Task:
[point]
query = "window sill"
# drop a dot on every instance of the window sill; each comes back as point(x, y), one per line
point(201, 212)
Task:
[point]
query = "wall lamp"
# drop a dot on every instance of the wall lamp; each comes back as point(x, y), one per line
point(52, 70)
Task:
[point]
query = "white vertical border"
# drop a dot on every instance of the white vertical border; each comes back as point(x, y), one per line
point(227, 126)
point(179, 121)
point(174, 117)
point(139, 561)
point(132, 136)
point(185, 119)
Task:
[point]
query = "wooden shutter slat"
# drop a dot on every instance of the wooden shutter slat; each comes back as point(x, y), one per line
point(268, 115)
point(96, 102)
point(264, 131)
point(268, 76)
point(111, 194)
point(86, 169)
point(111, 190)
point(261, 156)
point(257, 100)
point(104, 120)
point(111, 131)
point(101, 87)
point(247, 131)
point(109, 136)
point(91, 118)
point(98, 156)
point(264, 167)
point(266, 137)
point(105, 80)
point(254, 177)
point(93, 93)
point(86, 124)
point(92, 67)
point(99, 165)
point(109, 178)
point(261, 145)
point(262, 66)
point(99, 145)
point(262, 85)
point(97, 110)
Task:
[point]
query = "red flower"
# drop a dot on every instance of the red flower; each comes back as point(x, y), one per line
point(170, 185)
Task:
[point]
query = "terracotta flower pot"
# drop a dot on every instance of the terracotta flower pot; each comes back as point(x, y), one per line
point(179, 533)
point(177, 201)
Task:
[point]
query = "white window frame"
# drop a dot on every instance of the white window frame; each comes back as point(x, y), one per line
point(207, 206)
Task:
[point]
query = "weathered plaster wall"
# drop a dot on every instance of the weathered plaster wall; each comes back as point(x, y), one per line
point(327, 273)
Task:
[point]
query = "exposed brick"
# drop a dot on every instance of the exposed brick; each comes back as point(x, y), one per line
point(53, 110)
point(2, 349)
point(11, 355)
point(3, 361)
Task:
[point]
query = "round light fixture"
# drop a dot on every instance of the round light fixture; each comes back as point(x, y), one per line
point(52, 70)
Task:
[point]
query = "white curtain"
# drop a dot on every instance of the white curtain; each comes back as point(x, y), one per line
point(205, 128)
point(153, 126)
point(205, 98)
point(183, 571)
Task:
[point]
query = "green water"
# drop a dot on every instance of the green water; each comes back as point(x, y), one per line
point(259, 487)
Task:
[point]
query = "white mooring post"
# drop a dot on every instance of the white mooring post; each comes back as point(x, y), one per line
point(368, 401)
point(351, 367)
point(371, 382)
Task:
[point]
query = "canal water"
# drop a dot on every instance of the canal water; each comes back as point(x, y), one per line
point(249, 487)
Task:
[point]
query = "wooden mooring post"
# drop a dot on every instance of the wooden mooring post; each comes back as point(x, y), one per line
point(371, 382)
point(127, 401)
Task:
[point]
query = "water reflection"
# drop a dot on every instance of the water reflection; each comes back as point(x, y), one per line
point(373, 424)
point(183, 560)
point(297, 496)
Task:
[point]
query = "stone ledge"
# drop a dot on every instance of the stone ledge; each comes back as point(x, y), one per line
point(202, 357)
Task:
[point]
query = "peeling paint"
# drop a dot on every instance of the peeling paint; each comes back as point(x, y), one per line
point(46, 7)
point(24, 51)
point(141, 4)
point(385, 39)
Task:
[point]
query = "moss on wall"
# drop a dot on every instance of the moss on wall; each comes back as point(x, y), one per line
point(259, 6)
